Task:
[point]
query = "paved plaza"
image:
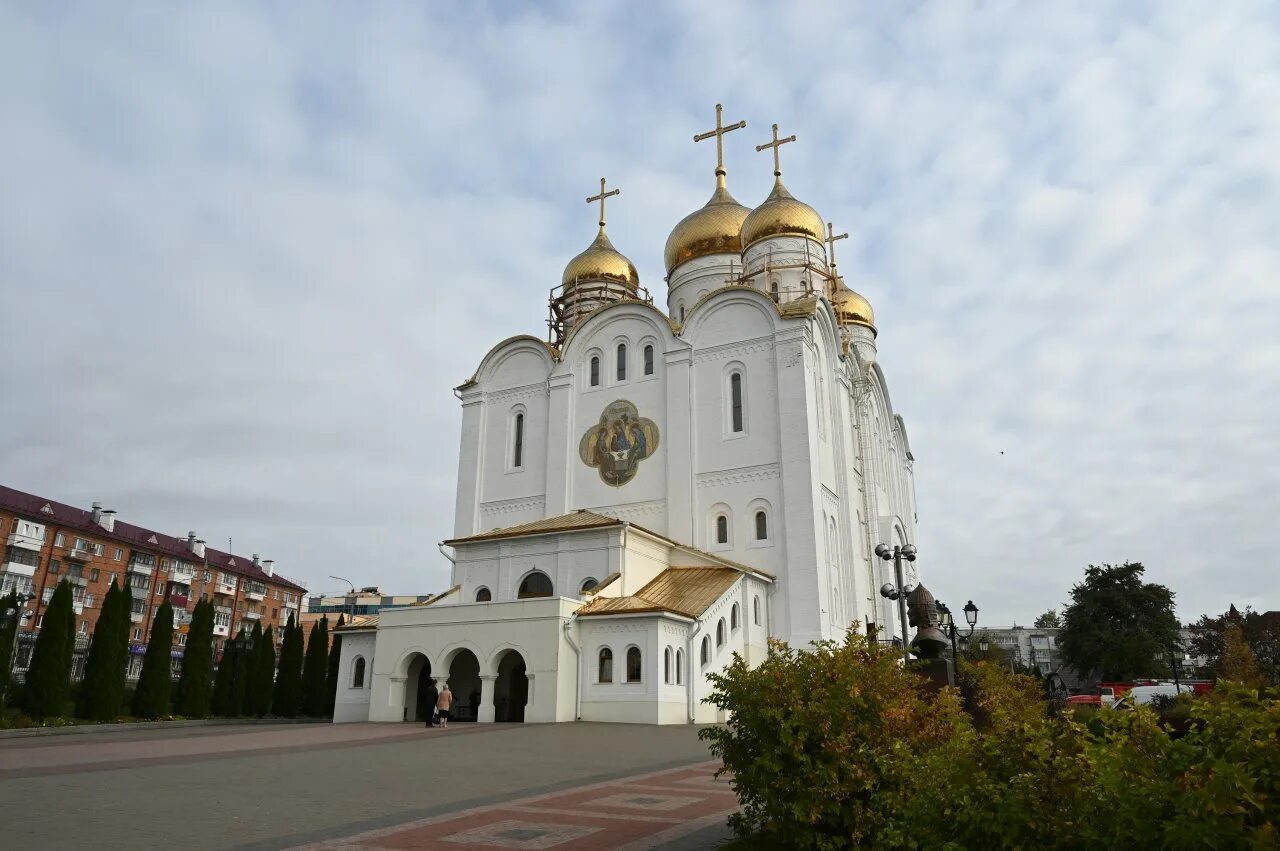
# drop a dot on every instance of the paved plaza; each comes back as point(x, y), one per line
point(563, 786)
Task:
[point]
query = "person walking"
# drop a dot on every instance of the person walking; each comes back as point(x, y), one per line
point(432, 697)
point(443, 704)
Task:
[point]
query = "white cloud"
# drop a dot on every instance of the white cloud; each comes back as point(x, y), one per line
point(246, 253)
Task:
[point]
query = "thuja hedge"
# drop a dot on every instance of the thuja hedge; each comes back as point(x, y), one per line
point(839, 747)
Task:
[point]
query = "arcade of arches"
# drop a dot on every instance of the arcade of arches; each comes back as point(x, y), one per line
point(501, 696)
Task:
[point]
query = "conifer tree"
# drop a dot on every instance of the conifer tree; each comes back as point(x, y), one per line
point(8, 635)
point(102, 690)
point(49, 677)
point(195, 688)
point(151, 698)
point(239, 671)
point(315, 669)
point(263, 674)
point(335, 656)
point(221, 701)
point(288, 691)
point(249, 697)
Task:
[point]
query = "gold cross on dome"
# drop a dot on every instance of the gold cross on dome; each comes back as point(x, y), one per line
point(776, 144)
point(832, 236)
point(603, 195)
point(719, 134)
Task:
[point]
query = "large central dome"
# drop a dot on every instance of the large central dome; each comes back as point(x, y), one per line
point(713, 229)
point(602, 262)
point(781, 215)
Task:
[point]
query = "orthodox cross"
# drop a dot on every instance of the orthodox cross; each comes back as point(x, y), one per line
point(719, 134)
point(832, 236)
point(603, 195)
point(776, 144)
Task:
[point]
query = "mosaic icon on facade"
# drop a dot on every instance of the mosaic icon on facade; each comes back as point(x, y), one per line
point(618, 443)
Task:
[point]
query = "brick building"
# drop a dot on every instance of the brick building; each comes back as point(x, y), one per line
point(47, 541)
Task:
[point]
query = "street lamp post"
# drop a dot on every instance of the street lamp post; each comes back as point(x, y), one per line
point(949, 624)
point(900, 590)
point(352, 606)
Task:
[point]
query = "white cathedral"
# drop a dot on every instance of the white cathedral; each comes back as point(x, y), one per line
point(649, 492)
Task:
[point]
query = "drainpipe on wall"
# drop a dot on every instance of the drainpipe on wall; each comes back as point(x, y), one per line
point(577, 680)
point(688, 654)
point(452, 561)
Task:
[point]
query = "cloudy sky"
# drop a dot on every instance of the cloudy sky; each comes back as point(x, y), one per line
point(245, 251)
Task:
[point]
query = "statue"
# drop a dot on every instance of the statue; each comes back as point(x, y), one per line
point(922, 613)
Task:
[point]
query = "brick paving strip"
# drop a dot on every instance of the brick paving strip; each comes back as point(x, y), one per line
point(643, 811)
point(49, 757)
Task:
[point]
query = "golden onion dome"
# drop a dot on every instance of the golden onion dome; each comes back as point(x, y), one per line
point(781, 215)
point(602, 262)
point(712, 229)
point(851, 308)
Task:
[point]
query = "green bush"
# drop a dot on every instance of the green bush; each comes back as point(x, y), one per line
point(839, 747)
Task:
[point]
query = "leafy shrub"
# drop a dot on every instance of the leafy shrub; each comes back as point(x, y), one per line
point(840, 747)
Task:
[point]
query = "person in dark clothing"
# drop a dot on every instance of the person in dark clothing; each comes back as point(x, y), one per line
point(474, 699)
point(432, 696)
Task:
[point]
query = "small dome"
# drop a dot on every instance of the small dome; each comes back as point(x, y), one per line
point(781, 215)
point(713, 229)
point(851, 308)
point(602, 262)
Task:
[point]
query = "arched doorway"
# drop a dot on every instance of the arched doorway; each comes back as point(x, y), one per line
point(464, 682)
point(417, 684)
point(511, 691)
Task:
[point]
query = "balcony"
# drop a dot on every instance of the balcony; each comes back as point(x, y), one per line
point(255, 592)
point(77, 555)
point(140, 567)
point(17, 539)
point(252, 615)
point(77, 607)
point(77, 579)
point(222, 629)
point(227, 588)
point(139, 592)
point(18, 568)
point(181, 619)
point(182, 575)
point(137, 617)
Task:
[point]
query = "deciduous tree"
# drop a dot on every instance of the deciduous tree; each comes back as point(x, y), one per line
point(1259, 631)
point(1118, 627)
point(49, 676)
point(151, 698)
point(1049, 620)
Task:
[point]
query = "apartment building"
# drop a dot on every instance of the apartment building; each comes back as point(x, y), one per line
point(48, 541)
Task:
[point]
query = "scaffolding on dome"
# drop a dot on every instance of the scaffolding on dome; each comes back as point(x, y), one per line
point(571, 303)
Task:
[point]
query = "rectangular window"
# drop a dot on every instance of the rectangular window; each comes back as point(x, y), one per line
point(94, 574)
point(40, 620)
point(137, 634)
point(84, 627)
point(208, 576)
point(89, 600)
point(112, 579)
point(58, 539)
point(46, 595)
point(138, 606)
point(54, 565)
point(119, 553)
point(21, 555)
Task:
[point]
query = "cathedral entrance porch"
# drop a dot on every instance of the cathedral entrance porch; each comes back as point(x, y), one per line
point(417, 691)
point(464, 682)
point(511, 691)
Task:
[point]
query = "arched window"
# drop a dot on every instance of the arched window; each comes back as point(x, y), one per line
point(622, 361)
point(682, 314)
point(762, 526)
point(679, 667)
point(536, 584)
point(648, 360)
point(735, 402)
point(517, 449)
point(357, 673)
point(633, 664)
point(588, 584)
point(773, 290)
point(606, 665)
point(706, 649)
point(722, 529)
point(755, 610)
point(733, 617)
point(484, 595)
point(666, 666)
point(595, 371)
point(720, 634)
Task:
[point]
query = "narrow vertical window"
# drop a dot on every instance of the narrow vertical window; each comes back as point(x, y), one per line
point(622, 361)
point(720, 634)
point(648, 360)
point(595, 372)
point(666, 666)
point(517, 455)
point(735, 401)
point(755, 610)
point(773, 290)
point(682, 314)
point(733, 617)
point(679, 667)
point(762, 526)
point(633, 664)
point(606, 665)
point(706, 649)
point(722, 529)
point(357, 677)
